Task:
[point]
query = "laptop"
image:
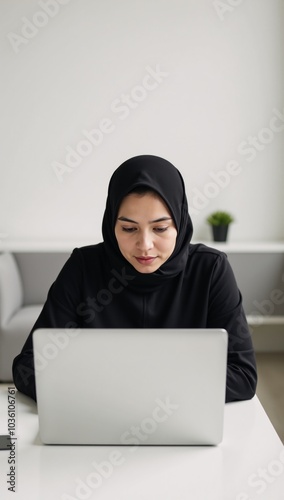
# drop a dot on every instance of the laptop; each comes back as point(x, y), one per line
point(130, 386)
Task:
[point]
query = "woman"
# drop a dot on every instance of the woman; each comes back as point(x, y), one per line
point(146, 273)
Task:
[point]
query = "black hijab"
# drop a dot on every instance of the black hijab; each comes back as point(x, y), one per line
point(161, 176)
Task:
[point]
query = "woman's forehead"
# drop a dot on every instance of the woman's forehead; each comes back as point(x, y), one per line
point(148, 202)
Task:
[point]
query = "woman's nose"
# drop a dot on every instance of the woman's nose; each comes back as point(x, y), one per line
point(145, 241)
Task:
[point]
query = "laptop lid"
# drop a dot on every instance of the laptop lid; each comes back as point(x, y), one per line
point(131, 386)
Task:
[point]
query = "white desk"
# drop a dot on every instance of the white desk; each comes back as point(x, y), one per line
point(247, 465)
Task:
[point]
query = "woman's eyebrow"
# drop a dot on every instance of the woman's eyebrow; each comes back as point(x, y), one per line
point(125, 219)
point(161, 219)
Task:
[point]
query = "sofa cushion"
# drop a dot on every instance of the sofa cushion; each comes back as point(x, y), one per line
point(38, 271)
point(11, 290)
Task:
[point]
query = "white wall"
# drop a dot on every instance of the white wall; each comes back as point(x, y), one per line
point(222, 82)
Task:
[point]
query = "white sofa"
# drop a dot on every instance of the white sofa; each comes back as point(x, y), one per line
point(25, 278)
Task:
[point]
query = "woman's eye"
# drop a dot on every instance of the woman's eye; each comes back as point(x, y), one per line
point(129, 229)
point(134, 229)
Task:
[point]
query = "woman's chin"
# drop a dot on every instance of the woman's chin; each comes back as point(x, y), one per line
point(144, 269)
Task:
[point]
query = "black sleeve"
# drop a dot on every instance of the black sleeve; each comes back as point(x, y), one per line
point(226, 311)
point(59, 311)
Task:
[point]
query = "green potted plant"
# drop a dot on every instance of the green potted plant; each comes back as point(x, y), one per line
point(220, 222)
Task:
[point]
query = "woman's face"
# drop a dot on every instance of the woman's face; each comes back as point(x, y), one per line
point(145, 231)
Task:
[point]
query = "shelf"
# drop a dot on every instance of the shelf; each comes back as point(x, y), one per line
point(68, 245)
point(44, 245)
point(259, 320)
point(247, 246)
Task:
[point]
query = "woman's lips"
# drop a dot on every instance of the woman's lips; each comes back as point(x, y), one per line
point(145, 260)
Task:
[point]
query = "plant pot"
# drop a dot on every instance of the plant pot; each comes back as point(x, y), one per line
point(220, 233)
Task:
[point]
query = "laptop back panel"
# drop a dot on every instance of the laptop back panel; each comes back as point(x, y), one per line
point(131, 386)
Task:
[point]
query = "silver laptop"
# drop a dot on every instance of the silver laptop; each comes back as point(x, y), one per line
point(131, 386)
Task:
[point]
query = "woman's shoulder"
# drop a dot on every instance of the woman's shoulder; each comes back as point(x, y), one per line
point(94, 249)
point(94, 253)
point(206, 258)
point(200, 250)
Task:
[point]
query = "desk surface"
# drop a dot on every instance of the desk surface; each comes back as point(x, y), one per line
point(247, 465)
